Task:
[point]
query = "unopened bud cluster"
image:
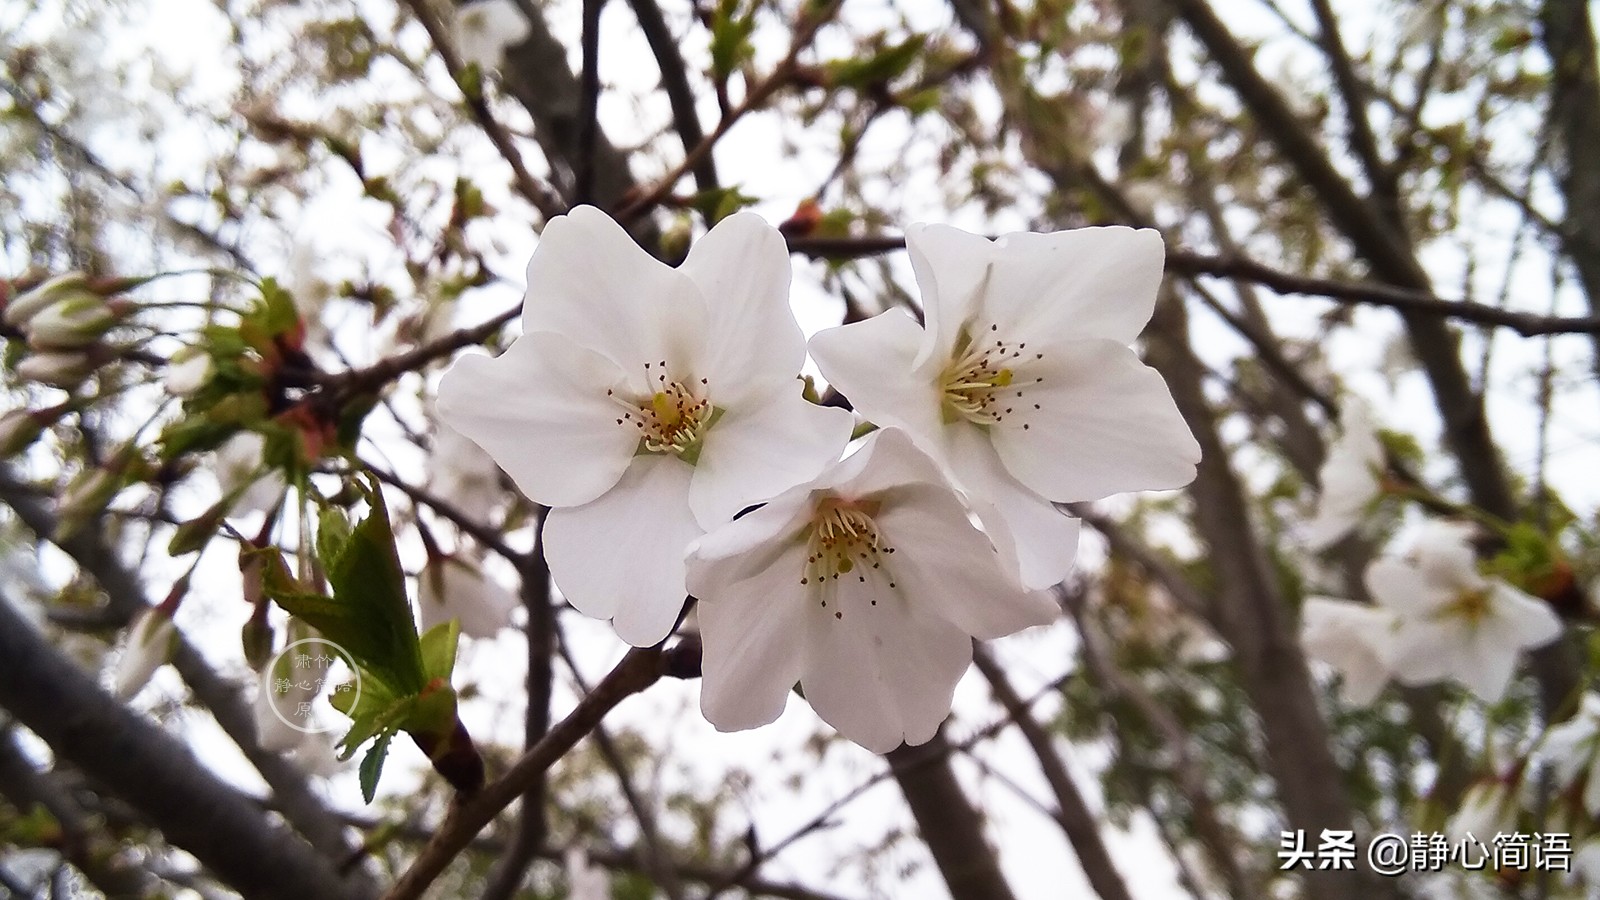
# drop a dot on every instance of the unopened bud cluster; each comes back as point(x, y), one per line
point(64, 322)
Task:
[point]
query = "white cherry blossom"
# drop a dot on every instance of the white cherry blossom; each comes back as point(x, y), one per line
point(1572, 748)
point(484, 29)
point(1451, 621)
point(454, 587)
point(865, 587)
point(1353, 638)
point(189, 372)
point(1023, 384)
point(148, 648)
point(460, 473)
point(240, 471)
point(646, 404)
point(1348, 477)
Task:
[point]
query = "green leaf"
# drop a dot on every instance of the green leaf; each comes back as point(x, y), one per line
point(730, 38)
point(878, 69)
point(277, 313)
point(372, 767)
point(439, 650)
point(193, 435)
point(364, 570)
point(371, 720)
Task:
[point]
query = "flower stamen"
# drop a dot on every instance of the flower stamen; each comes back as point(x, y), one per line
point(672, 420)
point(980, 383)
point(1472, 606)
point(844, 540)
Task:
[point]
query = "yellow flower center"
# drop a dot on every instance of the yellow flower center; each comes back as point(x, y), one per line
point(982, 385)
point(843, 540)
point(673, 419)
point(1472, 606)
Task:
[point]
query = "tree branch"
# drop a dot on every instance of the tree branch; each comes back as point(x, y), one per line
point(639, 669)
point(149, 769)
point(948, 822)
point(125, 597)
point(506, 877)
point(1072, 812)
point(89, 852)
point(675, 81)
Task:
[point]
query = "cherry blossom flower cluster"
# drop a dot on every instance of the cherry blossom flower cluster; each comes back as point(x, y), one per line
point(1434, 617)
point(660, 414)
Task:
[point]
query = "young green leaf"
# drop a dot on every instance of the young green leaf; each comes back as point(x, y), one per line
point(372, 767)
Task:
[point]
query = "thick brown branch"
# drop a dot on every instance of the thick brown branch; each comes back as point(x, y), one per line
point(639, 669)
point(948, 822)
point(149, 769)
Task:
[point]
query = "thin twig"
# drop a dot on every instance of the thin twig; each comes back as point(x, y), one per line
point(1187, 262)
point(804, 30)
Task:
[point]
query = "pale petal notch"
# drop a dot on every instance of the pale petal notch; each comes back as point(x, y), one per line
point(540, 410)
point(872, 363)
point(742, 270)
point(1083, 284)
point(946, 563)
point(621, 557)
point(589, 282)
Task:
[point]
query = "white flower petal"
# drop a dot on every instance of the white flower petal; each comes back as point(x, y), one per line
point(239, 468)
point(1569, 748)
point(1485, 667)
point(1353, 638)
point(881, 675)
point(750, 629)
point(1520, 620)
point(462, 474)
point(1362, 686)
point(871, 362)
point(1591, 792)
point(589, 282)
point(540, 410)
point(585, 881)
point(1348, 481)
point(1398, 585)
point(149, 647)
point(1107, 425)
point(485, 28)
point(451, 588)
point(188, 373)
point(1424, 651)
point(756, 451)
point(1444, 555)
point(621, 557)
point(943, 561)
point(742, 270)
point(1085, 283)
point(954, 270)
point(741, 542)
point(1080, 284)
point(1038, 541)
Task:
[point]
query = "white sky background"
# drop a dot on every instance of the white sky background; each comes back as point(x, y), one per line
point(348, 237)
